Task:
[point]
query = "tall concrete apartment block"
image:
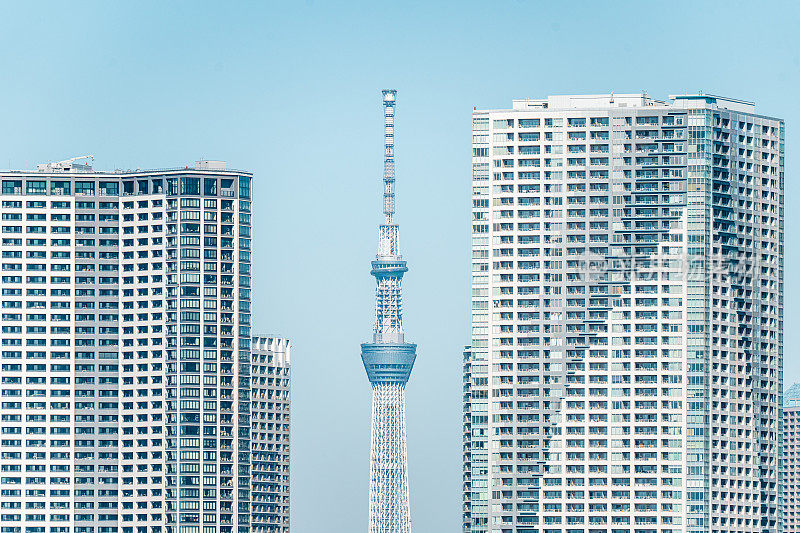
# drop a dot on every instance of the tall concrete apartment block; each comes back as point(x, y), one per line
point(269, 412)
point(125, 350)
point(790, 467)
point(625, 367)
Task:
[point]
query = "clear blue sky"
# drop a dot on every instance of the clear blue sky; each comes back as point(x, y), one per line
point(291, 91)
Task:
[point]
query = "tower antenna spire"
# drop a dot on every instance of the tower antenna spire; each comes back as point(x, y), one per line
point(389, 96)
point(388, 240)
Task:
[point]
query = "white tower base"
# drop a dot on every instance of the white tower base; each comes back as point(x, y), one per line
point(389, 510)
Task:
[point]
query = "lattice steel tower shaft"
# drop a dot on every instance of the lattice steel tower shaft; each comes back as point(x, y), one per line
point(388, 361)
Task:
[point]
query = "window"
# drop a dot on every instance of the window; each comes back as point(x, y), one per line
point(109, 188)
point(244, 187)
point(36, 187)
point(60, 188)
point(84, 187)
point(12, 186)
point(190, 185)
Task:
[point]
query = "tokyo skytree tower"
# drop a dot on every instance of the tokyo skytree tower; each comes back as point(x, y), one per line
point(388, 361)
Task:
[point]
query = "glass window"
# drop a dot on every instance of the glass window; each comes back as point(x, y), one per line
point(36, 187)
point(60, 187)
point(190, 185)
point(84, 187)
point(109, 188)
point(12, 186)
point(244, 187)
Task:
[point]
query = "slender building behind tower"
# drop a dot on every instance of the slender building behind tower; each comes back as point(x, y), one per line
point(270, 371)
point(388, 360)
point(790, 465)
point(625, 367)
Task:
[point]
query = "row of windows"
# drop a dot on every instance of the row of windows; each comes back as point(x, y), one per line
point(108, 217)
point(156, 241)
point(41, 204)
point(226, 205)
point(211, 186)
point(581, 122)
point(503, 145)
point(105, 280)
point(90, 230)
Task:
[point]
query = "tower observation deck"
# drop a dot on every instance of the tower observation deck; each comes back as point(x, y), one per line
point(388, 360)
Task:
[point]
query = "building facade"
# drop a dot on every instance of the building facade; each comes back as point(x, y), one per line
point(790, 468)
point(625, 367)
point(269, 412)
point(125, 350)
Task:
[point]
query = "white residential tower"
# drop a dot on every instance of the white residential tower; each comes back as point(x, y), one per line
point(625, 367)
point(125, 350)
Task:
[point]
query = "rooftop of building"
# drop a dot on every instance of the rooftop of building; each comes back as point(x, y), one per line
point(72, 166)
point(629, 100)
point(791, 396)
point(280, 346)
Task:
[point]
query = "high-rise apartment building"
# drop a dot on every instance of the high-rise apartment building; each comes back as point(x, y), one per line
point(625, 367)
point(269, 413)
point(790, 466)
point(125, 350)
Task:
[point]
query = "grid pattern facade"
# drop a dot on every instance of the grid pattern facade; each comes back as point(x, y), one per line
point(790, 468)
point(625, 368)
point(125, 351)
point(270, 373)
